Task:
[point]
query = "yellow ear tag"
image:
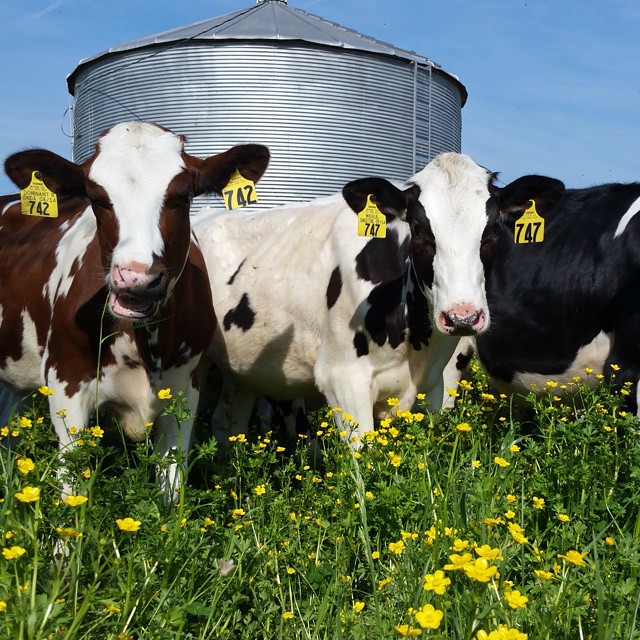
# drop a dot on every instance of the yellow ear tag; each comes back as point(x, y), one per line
point(38, 200)
point(239, 192)
point(371, 221)
point(529, 227)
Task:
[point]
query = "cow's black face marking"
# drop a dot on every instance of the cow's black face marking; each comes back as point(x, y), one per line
point(361, 344)
point(386, 320)
point(334, 288)
point(235, 273)
point(382, 259)
point(423, 243)
point(242, 316)
point(418, 315)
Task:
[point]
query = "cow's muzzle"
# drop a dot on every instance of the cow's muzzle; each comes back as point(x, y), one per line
point(135, 292)
point(462, 320)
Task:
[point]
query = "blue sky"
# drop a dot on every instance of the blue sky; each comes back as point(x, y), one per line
point(554, 85)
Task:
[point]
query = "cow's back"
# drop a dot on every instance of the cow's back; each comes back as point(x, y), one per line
point(270, 278)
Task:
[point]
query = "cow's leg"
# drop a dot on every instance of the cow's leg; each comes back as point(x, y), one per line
point(233, 411)
point(68, 416)
point(625, 356)
point(350, 389)
point(451, 375)
point(173, 438)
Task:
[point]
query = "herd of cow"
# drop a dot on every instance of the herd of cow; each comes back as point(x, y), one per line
point(124, 294)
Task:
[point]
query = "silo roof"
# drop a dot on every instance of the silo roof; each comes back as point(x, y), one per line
point(268, 20)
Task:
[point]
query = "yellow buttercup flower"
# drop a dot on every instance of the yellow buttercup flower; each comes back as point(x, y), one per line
point(393, 402)
point(165, 394)
point(45, 391)
point(538, 503)
point(406, 631)
point(463, 426)
point(610, 541)
point(75, 501)
point(543, 575)
point(97, 432)
point(458, 561)
point(515, 599)
point(13, 553)
point(436, 582)
point(489, 553)
point(24, 422)
point(480, 570)
point(128, 524)
point(68, 532)
point(397, 547)
point(260, 490)
point(288, 615)
point(563, 517)
point(28, 494)
point(358, 606)
point(574, 557)
point(3, 605)
point(429, 617)
point(25, 465)
point(501, 462)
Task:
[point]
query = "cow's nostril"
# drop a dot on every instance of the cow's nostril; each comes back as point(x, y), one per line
point(155, 282)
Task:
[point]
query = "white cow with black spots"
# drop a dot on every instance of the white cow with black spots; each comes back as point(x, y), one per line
point(304, 304)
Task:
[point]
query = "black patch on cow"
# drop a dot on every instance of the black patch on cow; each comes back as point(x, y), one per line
point(334, 288)
point(550, 299)
point(418, 316)
point(361, 344)
point(463, 360)
point(386, 320)
point(235, 273)
point(423, 244)
point(242, 316)
point(382, 259)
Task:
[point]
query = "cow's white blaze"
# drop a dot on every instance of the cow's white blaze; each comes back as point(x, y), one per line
point(135, 164)
point(454, 194)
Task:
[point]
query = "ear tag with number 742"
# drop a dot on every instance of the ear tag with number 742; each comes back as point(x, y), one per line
point(371, 221)
point(239, 192)
point(529, 227)
point(38, 200)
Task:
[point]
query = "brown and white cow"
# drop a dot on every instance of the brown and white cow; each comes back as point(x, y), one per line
point(116, 284)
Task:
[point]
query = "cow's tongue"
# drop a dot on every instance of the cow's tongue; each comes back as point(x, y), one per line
point(130, 306)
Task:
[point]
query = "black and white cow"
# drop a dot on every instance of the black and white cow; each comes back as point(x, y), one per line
point(573, 301)
point(304, 304)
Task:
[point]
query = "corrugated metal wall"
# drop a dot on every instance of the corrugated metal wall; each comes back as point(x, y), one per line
point(328, 115)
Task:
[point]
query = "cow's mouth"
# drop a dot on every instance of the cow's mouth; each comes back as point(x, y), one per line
point(133, 307)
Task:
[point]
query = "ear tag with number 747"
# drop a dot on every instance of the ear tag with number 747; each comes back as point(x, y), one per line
point(239, 192)
point(529, 227)
point(371, 221)
point(38, 200)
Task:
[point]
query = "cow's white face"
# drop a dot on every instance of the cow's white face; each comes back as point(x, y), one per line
point(142, 211)
point(452, 229)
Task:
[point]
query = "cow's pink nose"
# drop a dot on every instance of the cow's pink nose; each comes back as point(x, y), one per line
point(462, 320)
point(135, 277)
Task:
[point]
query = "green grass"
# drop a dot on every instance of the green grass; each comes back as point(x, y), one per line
point(263, 544)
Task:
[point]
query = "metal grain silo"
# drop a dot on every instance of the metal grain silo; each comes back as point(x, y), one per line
point(332, 104)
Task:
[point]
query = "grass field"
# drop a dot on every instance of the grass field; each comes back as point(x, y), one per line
point(489, 521)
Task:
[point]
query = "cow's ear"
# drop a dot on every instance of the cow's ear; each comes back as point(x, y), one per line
point(213, 173)
point(514, 199)
point(391, 200)
point(63, 177)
